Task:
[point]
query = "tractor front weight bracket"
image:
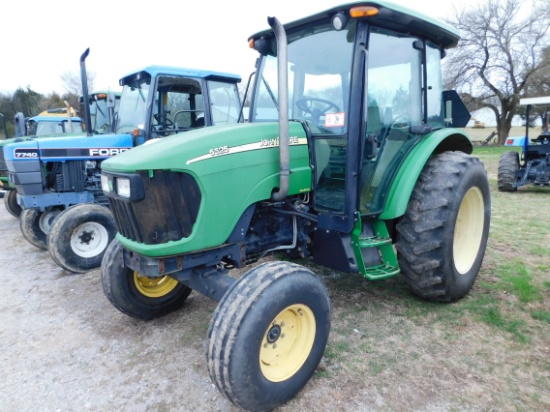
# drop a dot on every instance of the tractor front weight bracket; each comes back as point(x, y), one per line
point(203, 272)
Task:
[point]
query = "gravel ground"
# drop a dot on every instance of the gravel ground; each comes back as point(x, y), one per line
point(66, 348)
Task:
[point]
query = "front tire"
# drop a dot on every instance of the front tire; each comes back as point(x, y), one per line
point(79, 237)
point(443, 234)
point(136, 295)
point(268, 335)
point(35, 225)
point(10, 202)
point(508, 165)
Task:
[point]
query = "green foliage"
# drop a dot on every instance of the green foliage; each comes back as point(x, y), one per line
point(27, 101)
point(517, 279)
point(542, 315)
point(494, 317)
point(31, 103)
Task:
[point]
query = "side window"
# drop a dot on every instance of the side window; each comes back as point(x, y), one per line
point(225, 103)
point(187, 109)
point(394, 104)
point(179, 106)
point(434, 87)
point(394, 80)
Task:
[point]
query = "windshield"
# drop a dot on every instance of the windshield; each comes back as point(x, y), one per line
point(101, 115)
point(319, 66)
point(132, 109)
point(41, 128)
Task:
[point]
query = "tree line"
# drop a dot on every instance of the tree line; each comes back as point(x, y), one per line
point(31, 103)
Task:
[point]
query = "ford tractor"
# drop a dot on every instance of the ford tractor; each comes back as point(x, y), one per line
point(353, 158)
point(56, 122)
point(58, 179)
point(533, 168)
point(51, 122)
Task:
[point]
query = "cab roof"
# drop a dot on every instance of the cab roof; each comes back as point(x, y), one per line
point(533, 101)
point(155, 71)
point(390, 16)
point(55, 119)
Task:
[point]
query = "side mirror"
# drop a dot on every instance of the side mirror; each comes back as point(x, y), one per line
point(456, 113)
point(111, 99)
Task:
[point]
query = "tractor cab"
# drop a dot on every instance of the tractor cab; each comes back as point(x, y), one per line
point(178, 99)
point(365, 109)
point(53, 122)
point(102, 109)
point(540, 108)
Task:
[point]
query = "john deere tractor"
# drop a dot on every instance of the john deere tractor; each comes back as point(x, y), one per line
point(58, 179)
point(534, 165)
point(351, 159)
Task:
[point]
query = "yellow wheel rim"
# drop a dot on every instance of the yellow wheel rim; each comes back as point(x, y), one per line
point(154, 287)
point(287, 343)
point(468, 230)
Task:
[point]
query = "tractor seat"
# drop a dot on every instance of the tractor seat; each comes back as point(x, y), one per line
point(198, 123)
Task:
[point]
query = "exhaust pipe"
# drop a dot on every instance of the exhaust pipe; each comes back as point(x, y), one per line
point(84, 79)
point(282, 75)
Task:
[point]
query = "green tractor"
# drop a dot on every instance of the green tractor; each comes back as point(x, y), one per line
point(351, 158)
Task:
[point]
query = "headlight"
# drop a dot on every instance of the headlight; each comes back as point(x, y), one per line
point(105, 184)
point(123, 187)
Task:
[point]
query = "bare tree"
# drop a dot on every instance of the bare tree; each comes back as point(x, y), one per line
point(73, 84)
point(539, 85)
point(500, 51)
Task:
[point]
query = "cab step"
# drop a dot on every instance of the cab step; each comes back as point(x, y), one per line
point(376, 258)
point(381, 272)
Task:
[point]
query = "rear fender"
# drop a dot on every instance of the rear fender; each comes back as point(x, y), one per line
point(437, 142)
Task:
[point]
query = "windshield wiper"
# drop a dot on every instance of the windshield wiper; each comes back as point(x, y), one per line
point(270, 92)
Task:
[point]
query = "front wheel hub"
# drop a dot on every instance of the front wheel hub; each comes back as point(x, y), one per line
point(287, 342)
point(273, 334)
point(86, 237)
point(89, 239)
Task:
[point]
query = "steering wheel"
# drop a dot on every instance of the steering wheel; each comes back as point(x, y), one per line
point(306, 104)
point(163, 120)
point(400, 122)
point(164, 124)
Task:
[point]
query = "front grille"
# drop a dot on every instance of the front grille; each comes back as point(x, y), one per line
point(167, 213)
point(68, 176)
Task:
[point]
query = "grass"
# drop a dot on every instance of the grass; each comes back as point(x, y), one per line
point(494, 344)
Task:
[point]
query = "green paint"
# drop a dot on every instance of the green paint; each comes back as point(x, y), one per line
point(235, 166)
point(402, 186)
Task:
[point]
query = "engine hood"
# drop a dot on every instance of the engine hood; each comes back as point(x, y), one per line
point(208, 150)
point(68, 148)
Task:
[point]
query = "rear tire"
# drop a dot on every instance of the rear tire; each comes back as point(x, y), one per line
point(79, 237)
point(10, 201)
point(508, 165)
point(135, 295)
point(268, 335)
point(443, 235)
point(35, 225)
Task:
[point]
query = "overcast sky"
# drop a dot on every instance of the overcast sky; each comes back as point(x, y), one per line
point(43, 39)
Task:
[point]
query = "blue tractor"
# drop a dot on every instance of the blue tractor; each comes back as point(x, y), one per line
point(58, 180)
point(56, 122)
point(533, 166)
